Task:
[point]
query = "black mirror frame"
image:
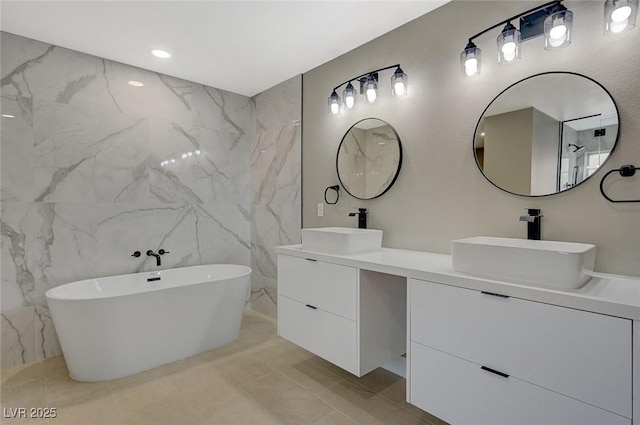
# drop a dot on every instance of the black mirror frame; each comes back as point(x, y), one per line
point(395, 177)
point(475, 132)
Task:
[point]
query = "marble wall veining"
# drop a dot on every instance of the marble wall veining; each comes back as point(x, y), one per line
point(83, 183)
point(275, 186)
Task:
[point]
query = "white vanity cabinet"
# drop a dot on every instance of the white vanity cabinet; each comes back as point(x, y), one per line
point(482, 358)
point(353, 318)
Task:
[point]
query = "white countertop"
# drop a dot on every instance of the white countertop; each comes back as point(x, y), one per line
point(607, 294)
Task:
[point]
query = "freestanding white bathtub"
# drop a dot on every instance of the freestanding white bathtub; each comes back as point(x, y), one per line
point(117, 326)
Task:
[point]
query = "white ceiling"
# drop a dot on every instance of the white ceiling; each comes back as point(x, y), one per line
point(240, 46)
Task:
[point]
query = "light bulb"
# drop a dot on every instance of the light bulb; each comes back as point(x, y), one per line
point(470, 66)
point(398, 88)
point(189, 153)
point(557, 36)
point(558, 32)
point(335, 108)
point(197, 151)
point(509, 51)
point(371, 94)
point(617, 27)
point(349, 101)
point(173, 161)
point(621, 14)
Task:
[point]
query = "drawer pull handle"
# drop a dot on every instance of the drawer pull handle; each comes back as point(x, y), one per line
point(488, 369)
point(493, 294)
point(310, 259)
point(313, 307)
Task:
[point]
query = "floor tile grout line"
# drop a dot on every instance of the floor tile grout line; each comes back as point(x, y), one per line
point(247, 394)
point(330, 404)
point(304, 389)
point(184, 400)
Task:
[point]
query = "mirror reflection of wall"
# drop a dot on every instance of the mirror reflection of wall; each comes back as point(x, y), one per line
point(526, 163)
point(369, 158)
point(546, 133)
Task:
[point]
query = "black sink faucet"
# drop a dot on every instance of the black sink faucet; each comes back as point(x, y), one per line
point(362, 217)
point(533, 223)
point(150, 253)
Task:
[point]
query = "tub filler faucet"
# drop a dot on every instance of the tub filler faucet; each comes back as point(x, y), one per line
point(161, 252)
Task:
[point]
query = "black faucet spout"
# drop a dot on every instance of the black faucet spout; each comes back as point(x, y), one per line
point(362, 217)
point(533, 223)
point(153, 254)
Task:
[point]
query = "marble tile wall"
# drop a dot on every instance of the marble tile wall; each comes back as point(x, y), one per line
point(275, 186)
point(82, 185)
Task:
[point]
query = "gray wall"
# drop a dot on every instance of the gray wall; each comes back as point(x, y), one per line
point(275, 186)
point(440, 194)
point(82, 185)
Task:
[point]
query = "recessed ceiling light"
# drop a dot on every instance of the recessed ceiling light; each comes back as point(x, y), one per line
point(136, 83)
point(162, 54)
point(8, 116)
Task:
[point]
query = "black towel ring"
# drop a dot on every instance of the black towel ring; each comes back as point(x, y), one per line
point(625, 171)
point(337, 189)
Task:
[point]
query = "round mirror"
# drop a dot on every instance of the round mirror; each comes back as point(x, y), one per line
point(369, 158)
point(546, 134)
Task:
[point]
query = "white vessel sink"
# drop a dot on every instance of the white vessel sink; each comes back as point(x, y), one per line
point(341, 240)
point(561, 265)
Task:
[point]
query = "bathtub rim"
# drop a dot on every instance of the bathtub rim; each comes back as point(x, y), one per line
point(50, 293)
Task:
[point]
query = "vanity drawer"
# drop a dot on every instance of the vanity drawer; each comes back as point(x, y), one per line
point(460, 392)
point(329, 336)
point(329, 287)
point(584, 355)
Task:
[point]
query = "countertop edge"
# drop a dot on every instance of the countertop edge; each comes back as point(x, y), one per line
point(437, 268)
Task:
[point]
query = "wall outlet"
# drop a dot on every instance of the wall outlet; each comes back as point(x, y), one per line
point(320, 209)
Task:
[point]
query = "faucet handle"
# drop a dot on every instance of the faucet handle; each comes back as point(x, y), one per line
point(162, 252)
point(136, 254)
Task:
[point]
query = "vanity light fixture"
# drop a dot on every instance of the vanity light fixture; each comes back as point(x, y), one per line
point(470, 60)
point(558, 27)
point(399, 82)
point(334, 103)
point(509, 44)
point(619, 16)
point(551, 19)
point(371, 88)
point(368, 88)
point(349, 95)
